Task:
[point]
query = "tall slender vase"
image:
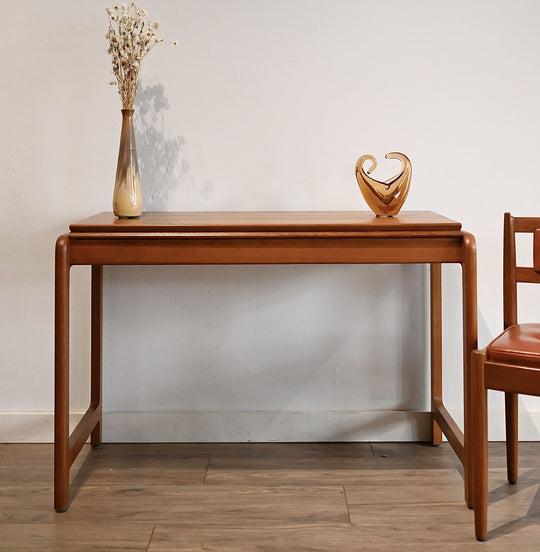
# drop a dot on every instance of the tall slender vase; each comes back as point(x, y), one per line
point(127, 198)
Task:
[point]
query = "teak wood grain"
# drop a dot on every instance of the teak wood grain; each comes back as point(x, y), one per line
point(255, 238)
point(287, 222)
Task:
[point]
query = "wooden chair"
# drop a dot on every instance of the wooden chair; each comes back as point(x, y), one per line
point(510, 363)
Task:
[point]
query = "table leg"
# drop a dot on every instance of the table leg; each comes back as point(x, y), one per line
point(436, 346)
point(470, 344)
point(96, 342)
point(61, 401)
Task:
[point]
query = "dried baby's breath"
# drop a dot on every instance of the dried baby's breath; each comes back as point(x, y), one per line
point(131, 36)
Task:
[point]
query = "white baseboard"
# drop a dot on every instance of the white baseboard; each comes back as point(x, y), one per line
point(267, 426)
point(30, 427)
point(264, 426)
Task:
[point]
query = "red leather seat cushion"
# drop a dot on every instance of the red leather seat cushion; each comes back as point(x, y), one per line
point(518, 344)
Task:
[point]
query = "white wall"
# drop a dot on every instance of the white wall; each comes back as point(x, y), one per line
point(266, 105)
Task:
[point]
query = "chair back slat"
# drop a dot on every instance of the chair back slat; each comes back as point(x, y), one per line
point(512, 274)
point(536, 250)
point(526, 224)
point(527, 275)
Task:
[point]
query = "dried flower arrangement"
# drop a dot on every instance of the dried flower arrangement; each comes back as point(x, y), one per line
point(131, 36)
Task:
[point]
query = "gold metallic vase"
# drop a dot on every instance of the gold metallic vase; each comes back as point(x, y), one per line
point(385, 199)
point(127, 198)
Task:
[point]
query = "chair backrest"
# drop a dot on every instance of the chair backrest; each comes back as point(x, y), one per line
point(513, 274)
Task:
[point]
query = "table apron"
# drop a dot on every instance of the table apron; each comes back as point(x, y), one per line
point(177, 251)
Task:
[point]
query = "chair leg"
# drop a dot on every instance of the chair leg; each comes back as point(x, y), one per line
point(511, 408)
point(477, 456)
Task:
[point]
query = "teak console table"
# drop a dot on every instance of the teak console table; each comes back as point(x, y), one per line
point(254, 238)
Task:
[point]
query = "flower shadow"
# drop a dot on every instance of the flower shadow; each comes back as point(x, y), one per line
point(160, 166)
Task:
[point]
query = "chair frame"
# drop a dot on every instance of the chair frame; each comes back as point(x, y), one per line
point(513, 379)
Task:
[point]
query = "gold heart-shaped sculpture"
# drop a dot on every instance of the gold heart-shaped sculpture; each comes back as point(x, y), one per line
point(385, 199)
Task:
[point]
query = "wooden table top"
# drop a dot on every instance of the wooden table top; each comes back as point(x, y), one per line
point(269, 222)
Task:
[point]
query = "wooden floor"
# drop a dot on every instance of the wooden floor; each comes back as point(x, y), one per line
point(264, 497)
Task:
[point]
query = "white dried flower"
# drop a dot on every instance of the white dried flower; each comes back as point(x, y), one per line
point(131, 36)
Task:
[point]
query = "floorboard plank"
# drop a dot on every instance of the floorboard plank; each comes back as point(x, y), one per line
point(212, 506)
point(314, 538)
point(70, 537)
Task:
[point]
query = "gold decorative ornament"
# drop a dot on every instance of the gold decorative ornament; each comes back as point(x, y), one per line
point(385, 199)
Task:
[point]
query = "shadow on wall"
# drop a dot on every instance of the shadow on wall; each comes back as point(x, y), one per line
point(160, 166)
